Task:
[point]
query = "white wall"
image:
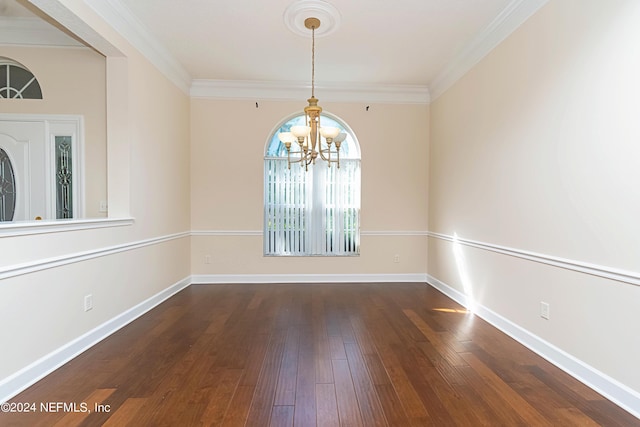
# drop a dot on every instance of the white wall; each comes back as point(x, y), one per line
point(536, 149)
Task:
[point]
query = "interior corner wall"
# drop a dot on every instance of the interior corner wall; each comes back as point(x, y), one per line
point(44, 278)
point(536, 150)
point(228, 144)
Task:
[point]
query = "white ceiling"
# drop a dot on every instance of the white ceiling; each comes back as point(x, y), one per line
point(14, 9)
point(378, 42)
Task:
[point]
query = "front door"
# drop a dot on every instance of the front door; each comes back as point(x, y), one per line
point(24, 143)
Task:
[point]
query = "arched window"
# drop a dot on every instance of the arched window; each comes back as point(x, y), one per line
point(314, 212)
point(16, 81)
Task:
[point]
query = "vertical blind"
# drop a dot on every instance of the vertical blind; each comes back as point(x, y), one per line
point(314, 212)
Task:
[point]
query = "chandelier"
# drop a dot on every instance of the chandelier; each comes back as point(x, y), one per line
point(308, 137)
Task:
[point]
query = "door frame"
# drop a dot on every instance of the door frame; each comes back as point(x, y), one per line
point(59, 125)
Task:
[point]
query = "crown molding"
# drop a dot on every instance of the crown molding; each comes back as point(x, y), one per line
point(24, 31)
point(283, 91)
point(116, 14)
point(128, 26)
point(512, 17)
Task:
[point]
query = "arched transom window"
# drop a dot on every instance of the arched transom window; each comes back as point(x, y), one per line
point(16, 81)
point(315, 211)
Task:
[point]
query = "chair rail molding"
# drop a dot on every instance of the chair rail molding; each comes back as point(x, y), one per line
point(619, 275)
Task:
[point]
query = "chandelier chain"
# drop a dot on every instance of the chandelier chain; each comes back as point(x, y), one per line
point(313, 60)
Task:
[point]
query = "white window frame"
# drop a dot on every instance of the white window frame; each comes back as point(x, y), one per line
point(9, 86)
point(314, 212)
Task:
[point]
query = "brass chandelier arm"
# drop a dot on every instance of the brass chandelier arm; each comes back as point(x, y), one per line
point(328, 158)
point(305, 158)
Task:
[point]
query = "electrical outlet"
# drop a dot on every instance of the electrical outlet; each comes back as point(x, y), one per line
point(396, 258)
point(103, 206)
point(88, 302)
point(207, 259)
point(545, 310)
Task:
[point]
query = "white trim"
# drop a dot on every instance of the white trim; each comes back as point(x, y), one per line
point(514, 15)
point(612, 389)
point(25, 31)
point(116, 14)
point(43, 264)
point(25, 117)
point(620, 394)
point(260, 233)
point(226, 233)
point(394, 233)
point(68, 19)
point(452, 293)
point(625, 276)
point(351, 92)
point(307, 278)
point(56, 125)
point(12, 229)
point(29, 375)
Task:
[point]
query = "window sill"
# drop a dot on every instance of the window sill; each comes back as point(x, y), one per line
point(24, 228)
point(313, 255)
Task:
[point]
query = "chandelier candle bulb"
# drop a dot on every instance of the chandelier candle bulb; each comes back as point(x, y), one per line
point(300, 131)
point(338, 140)
point(286, 137)
point(329, 132)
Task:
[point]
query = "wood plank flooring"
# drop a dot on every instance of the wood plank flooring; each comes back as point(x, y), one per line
point(306, 355)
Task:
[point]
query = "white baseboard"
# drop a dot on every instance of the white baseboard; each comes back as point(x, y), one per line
point(612, 389)
point(29, 375)
point(307, 278)
point(618, 393)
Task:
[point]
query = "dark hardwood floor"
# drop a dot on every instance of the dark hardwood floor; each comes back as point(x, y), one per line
point(306, 355)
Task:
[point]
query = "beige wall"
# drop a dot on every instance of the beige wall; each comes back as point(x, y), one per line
point(72, 82)
point(536, 149)
point(228, 143)
point(42, 306)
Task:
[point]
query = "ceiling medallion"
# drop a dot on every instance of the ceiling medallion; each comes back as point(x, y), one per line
point(299, 11)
